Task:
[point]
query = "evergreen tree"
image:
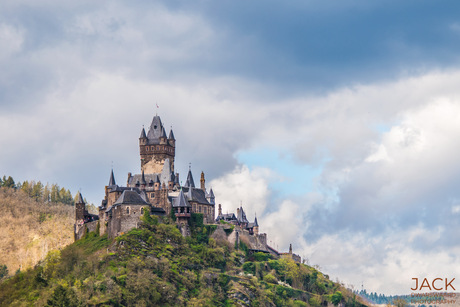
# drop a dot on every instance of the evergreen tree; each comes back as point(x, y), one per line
point(63, 297)
point(3, 271)
point(8, 182)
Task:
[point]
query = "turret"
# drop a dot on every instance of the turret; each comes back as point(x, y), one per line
point(220, 210)
point(212, 199)
point(79, 209)
point(156, 184)
point(163, 138)
point(202, 181)
point(171, 139)
point(143, 182)
point(190, 183)
point(256, 226)
point(112, 179)
point(143, 137)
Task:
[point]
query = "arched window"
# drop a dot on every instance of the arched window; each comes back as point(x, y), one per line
point(127, 210)
point(142, 210)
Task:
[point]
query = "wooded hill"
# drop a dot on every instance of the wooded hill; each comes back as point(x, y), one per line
point(155, 265)
point(32, 225)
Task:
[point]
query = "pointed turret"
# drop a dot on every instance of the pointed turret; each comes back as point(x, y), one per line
point(202, 182)
point(79, 199)
point(211, 197)
point(190, 183)
point(155, 130)
point(255, 222)
point(112, 179)
point(171, 135)
point(180, 200)
point(143, 135)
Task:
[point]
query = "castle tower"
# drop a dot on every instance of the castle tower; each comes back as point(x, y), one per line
point(79, 209)
point(256, 226)
point(155, 148)
point(202, 181)
point(220, 210)
point(182, 211)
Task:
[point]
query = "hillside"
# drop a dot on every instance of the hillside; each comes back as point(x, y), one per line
point(155, 265)
point(30, 228)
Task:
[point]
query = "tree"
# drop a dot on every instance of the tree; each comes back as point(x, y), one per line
point(3, 271)
point(63, 297)
point(8, 182)
point(336, 298)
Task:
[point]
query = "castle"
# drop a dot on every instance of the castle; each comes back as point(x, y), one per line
point(157, 189)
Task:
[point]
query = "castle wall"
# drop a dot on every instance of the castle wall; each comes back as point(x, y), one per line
point(124, 218)
point(80, 230)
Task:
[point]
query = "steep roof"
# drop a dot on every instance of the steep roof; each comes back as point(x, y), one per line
point(143, 136)
point(130, 197)
point(79, 199)
point(112, 179)
point(180, 200)
point(155, 130)
point(197, 195)
point(171, 135)
point(190, 182)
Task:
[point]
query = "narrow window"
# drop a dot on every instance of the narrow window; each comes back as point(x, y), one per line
point(127, 210)
point(142, 210)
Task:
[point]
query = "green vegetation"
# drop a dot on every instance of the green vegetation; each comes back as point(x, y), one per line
point(154, 265)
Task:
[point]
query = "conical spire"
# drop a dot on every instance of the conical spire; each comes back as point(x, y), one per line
point(79, 199)
point(143, 135)
point(180, 200)
point(255, 222)
point(155, 129)
point(211, 197)
point(190, 183)
point(143, 178)
point(163, 133)
point(171, 135)
point(112, 179)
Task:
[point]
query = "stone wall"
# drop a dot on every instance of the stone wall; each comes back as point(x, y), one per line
point(85, 228)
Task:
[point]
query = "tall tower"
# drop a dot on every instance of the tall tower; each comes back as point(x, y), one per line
point(155, 147)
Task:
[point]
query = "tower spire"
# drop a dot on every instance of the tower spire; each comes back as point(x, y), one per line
point(112, 179)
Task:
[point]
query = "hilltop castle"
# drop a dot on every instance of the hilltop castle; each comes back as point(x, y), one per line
point(157, 189)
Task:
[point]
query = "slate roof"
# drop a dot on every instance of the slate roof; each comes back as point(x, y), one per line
point(242, 216)
point(138, 177)
point(171, 135)
point(190, 182)
point(198, 195)
point(180, 200)
point(112, 179)
point(130, 197)
point(226, 217)
point(143, 136)
point(79, 199)
point(155, 130)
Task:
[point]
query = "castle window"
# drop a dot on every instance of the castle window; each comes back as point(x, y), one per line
point(204, 210)
point(152, 195)
point(127, 210)
point(142, 210)
point(147, 148)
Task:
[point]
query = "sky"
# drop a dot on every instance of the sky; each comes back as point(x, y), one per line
point(337, 123)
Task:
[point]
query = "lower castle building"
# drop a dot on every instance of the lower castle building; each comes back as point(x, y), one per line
point(157, 189)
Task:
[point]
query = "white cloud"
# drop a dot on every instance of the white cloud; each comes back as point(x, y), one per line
point(243, 186)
